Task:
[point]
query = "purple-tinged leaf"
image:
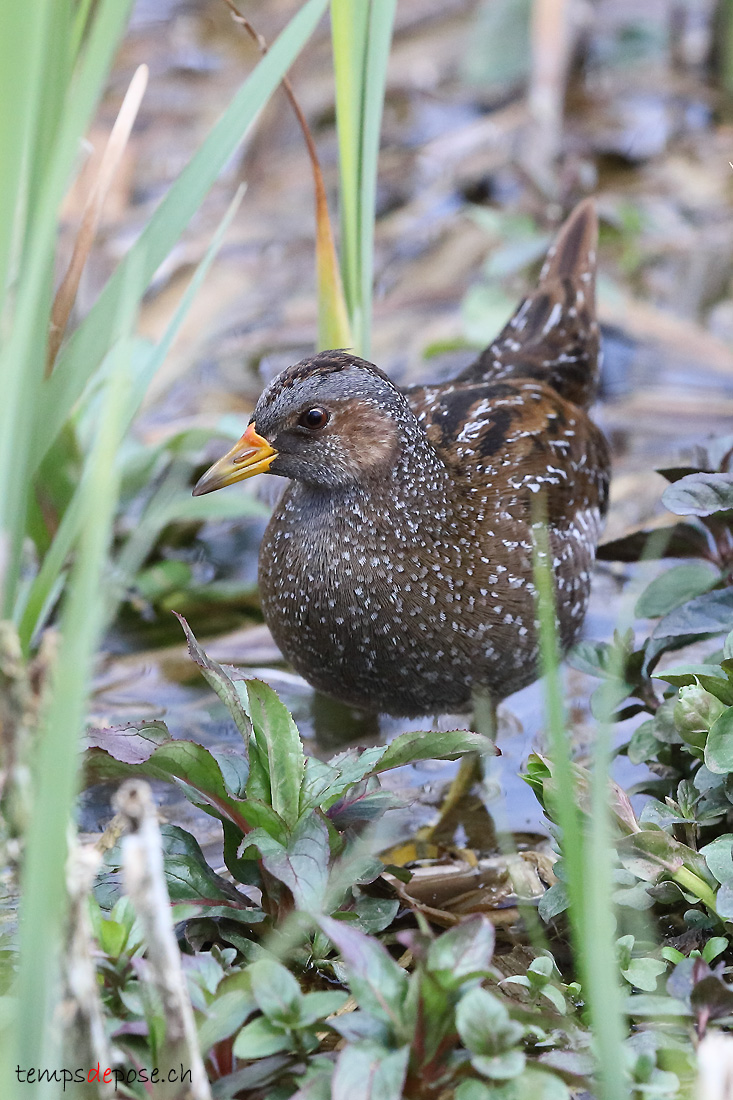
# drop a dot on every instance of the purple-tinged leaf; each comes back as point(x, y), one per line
point(377, 982)
point(131, 744)
point(302, 865)
point(187, 762)
point(463, 951)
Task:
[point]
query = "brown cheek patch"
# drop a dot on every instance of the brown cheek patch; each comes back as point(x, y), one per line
point(369, 437)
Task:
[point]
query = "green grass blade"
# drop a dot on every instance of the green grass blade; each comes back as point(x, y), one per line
point(381, 22)
point(54, 561)
point(24, 29)
point(350, 32)
point(588, 858)
point(88, 345)
point(23, 355)
point(56, 763)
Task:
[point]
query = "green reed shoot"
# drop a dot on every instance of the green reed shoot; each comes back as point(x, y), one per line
point(587, 855)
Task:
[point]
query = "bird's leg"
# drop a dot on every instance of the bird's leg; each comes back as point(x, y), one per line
point(470, 770)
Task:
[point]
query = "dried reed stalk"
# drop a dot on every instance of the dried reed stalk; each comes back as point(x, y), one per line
point(144, 883)
point(114, 150)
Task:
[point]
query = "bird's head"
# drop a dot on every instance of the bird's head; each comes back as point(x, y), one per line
point(330, 421)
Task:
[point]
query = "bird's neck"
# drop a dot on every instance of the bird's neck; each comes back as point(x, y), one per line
point(415, 494)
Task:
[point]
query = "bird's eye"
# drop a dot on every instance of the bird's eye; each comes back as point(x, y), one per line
point(314, 418)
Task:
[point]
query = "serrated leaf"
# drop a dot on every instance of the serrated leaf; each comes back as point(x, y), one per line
point(325, 784)
point(433, 745)
point(186, 762)
point(221, 683)
point(700, 494)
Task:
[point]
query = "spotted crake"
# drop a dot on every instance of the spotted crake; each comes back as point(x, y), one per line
point(397, 570)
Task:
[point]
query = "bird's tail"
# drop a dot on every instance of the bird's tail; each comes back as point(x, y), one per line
point(553, 336)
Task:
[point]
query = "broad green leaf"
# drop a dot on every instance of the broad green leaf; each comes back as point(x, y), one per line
point(711, 613)
point(484, 1024)
point(643, 1005)
point(534, 1083)
point(643, 744)
point(719, 744)
point(462, 951)
point(684, 675)
point(222, 684)
point(594, 658)
point(362, 802)
point(276, 991)
point(279, 747)
point(227, 1011)
point(324, 784)
point(500, 1066)
point(674, 587)
point(366, 1070)
point(699, 494)
point(643, 973)
point(319, 1005)
point(432, 745)
point(302, 865)
point(259, 1039)
point(719, 858)
point(375, 979)
point(651, 853)
point(189, 876)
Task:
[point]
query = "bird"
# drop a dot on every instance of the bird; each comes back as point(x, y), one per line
point(397, 570)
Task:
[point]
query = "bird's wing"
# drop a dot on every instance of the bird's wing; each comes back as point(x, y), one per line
point(510, 439)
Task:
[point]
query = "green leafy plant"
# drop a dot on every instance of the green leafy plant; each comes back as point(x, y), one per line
point(290, 822)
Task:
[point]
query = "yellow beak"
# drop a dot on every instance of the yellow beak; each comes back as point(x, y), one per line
point(251, 455)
